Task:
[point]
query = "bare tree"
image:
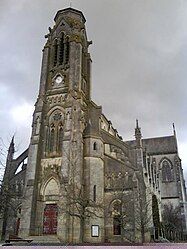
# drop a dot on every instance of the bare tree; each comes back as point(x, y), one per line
point(3, 155)
point(143, 215)
point(123, 215)
point(78, 202)
point(9, 202)
point(10, 195)
point(133, 211)
point(172, 222)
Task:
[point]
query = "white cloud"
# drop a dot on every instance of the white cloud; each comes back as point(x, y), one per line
point(22, 115)
point(183, 155)
point(139, 63)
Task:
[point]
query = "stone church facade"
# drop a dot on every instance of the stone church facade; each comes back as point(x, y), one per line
point(82, 182)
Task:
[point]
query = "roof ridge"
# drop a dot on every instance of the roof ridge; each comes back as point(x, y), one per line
point(158, 137)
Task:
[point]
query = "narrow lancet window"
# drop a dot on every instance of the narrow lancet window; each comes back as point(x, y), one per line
point(52, 140)
point(61, 51)
point(95, 146)
point(94, 193)
point(47, 139)
point(166, 172)
point(60, 137)
point(55, 53)
point(67, 50)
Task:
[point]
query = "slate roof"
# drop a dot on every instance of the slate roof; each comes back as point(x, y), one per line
point(158, 145)
point(69, 10)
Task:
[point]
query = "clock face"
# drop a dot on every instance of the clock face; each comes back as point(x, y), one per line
point(58, 79)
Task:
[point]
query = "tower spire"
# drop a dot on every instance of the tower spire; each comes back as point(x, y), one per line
point(12, 140)
point(175, 136)
point(174, 131)
point(138, 135)
point(137, 126)
point(11, 149)
point(9, 159)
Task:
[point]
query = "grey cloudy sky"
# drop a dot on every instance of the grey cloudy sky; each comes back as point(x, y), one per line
point(139, 55)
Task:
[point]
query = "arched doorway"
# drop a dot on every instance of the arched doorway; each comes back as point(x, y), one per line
point(50, 214)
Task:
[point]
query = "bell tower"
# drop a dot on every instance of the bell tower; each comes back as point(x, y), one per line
point(68, 58)
point(59, 119)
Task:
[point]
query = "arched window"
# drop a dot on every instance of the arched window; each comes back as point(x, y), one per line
point(166, 171)
point(94, 146)
point(67, 50)
point(54, 132)
point(55, 48)
point(52, 140)
point(47, 139)
point(94, 193)
point(117, 217)
point(61, 50)
point(60, 137)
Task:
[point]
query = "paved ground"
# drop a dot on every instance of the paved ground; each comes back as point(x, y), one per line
point(108, 246)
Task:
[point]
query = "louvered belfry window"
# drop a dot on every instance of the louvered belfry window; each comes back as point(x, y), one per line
point(61, 49)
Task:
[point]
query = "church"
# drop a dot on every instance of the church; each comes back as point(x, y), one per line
point(79, 180)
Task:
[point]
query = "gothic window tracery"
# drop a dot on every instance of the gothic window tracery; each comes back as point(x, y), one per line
point(54, 133)
point(167, 175)
point(50, 189)
point(60, 50)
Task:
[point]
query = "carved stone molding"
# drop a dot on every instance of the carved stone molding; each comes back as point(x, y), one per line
point(51, 165)
point(57, 99)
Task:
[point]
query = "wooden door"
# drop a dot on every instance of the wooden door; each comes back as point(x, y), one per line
point(50, 219)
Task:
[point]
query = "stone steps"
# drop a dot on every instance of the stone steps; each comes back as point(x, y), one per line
point(45, 239)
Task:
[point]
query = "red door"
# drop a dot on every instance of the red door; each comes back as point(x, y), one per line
point(50, 219)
